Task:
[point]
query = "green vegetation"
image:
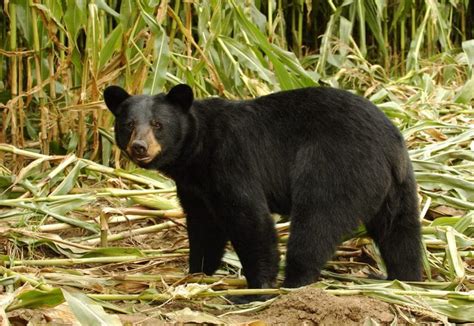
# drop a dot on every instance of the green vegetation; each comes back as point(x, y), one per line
point(71, 219)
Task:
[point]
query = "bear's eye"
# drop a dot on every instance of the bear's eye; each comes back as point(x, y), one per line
point(130, 124)
point(155, 124)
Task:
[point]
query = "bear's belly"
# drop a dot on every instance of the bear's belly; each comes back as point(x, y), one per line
point(279, 204)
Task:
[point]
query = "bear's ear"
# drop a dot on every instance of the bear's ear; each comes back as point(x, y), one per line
point(182, 95)
point(114, 96)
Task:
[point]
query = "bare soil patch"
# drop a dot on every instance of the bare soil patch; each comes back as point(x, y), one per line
point(311, 306)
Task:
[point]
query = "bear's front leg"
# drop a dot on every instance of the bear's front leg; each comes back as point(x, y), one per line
point(207, 237)
point(253, 235)
point(206, 243)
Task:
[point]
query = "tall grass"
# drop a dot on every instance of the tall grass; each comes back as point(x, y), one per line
point(57, 56)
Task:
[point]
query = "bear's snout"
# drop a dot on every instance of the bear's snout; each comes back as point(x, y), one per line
point(143, 146)
point(139, 148)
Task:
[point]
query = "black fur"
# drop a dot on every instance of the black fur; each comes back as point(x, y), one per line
point(114, 96)
point(326, 157)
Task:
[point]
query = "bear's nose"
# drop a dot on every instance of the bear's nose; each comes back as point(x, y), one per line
point(139, 148)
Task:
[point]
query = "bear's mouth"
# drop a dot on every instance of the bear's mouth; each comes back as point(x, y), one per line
point(145, 159)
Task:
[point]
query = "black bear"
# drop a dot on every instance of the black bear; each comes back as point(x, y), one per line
point(326, 157)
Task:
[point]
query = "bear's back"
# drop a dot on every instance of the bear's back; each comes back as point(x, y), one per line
point(290, 124)
point(307, 113)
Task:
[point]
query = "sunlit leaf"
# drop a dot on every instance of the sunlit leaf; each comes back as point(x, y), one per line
point(87, 311)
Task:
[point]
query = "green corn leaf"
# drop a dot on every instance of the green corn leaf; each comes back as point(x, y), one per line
point(466, 93)
point(284, 78)
point(112, 44)
point(113, 252)
point(89, 312)
point(68, 183)
point(161, 60)
point(101, 4)
point(446, 182)
point(64, 206)
point(452, 255)
point(38, 299)
point(75, 18)
point(247, 58)
point(415, 46)
point(468, 48)
point(156, 202)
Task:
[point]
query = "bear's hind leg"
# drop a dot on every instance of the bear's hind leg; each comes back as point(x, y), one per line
point(315, 231)
point(396, 231)
point(321, 212)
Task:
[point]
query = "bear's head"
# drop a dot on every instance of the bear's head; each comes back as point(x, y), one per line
point(150, 129)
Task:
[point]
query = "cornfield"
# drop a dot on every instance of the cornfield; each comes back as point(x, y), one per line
point(84, 230)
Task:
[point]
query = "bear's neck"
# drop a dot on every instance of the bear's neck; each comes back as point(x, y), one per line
point(192, 149)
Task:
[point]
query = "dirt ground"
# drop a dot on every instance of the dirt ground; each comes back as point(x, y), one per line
point(311, 306)
point(308, 306)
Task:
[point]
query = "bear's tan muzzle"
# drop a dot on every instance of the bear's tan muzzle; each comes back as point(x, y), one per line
point(143, 146)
